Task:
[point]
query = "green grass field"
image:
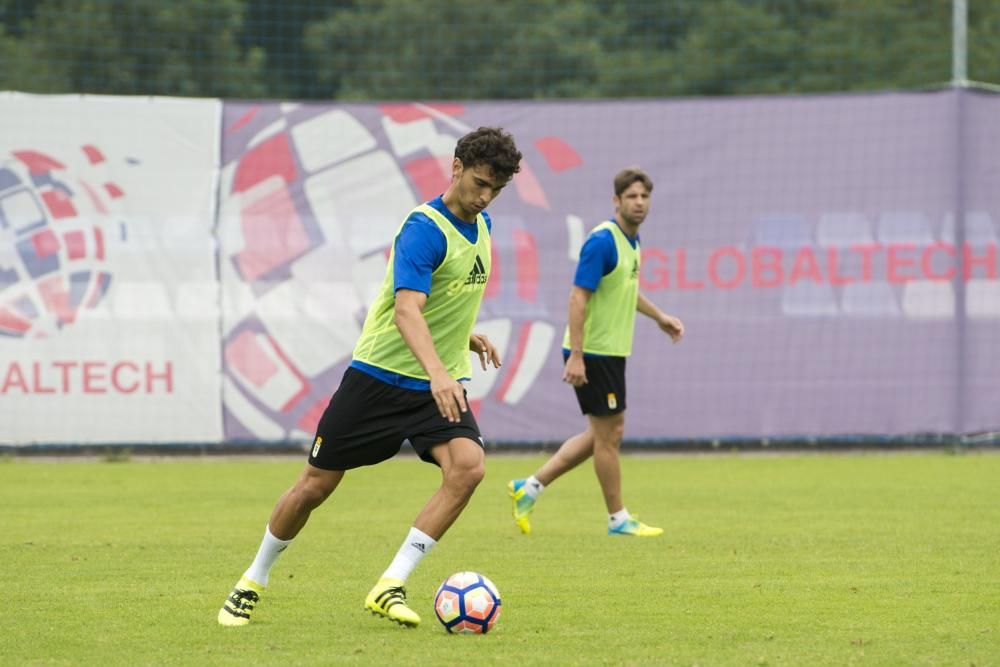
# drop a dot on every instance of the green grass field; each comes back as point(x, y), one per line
point(865, 559)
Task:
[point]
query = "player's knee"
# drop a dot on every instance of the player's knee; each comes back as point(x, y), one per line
point(618, 433)
point(465, 476)
point(612, 439)
point(308, 498)
point(607, 430)
point(477, 474)
point(311, 492)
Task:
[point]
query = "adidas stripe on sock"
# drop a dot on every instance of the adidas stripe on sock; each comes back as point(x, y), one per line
point(532, 487)
point(416, 545)
point(270, 548)
point(616, 519)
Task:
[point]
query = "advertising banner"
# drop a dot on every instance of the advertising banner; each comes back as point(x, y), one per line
point(177, 271)
point(108, 284)
point(809, 245)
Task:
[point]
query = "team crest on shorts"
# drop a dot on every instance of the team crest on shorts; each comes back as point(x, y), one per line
point(612, 401)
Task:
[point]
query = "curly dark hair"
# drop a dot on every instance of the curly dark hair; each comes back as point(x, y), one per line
point(491, 146)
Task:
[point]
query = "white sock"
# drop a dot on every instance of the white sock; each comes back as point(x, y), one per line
point(270, 548)
point(532, 487)
point(416, 545)
point(618, 518)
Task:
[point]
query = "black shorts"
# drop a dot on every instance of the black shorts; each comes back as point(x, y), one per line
point(604, 393)
point(367, 421)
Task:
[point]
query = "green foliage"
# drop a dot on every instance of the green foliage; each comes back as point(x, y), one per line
point(779, 560)
point(984, 47)
point(184, 47)
point(399, 49)
point(740, 48)
point(517, 49)
point(276, 28)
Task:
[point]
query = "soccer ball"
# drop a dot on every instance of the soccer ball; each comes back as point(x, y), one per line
point(467, 602)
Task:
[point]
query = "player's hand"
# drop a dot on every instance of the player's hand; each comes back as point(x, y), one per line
point(574, 372)
point(486, 350)
point(672, 326)
point(449, 395)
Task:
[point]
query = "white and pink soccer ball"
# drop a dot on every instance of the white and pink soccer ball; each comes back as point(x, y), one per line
point(467, 603)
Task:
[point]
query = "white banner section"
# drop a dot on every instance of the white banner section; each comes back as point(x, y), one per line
point(109, 315)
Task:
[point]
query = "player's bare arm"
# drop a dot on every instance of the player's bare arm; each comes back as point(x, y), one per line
point(670, 325)
point(409, 319)
point(486, 350)
point(574, 371)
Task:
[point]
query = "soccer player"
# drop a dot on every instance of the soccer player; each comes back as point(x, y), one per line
point(404, 381)
point(602, 305)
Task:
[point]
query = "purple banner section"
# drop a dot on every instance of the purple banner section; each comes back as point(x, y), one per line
point(978, 401)
point(810, 245)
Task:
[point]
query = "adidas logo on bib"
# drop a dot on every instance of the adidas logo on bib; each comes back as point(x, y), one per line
point(478, 275)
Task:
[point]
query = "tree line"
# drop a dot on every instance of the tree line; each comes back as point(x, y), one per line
point(460, 49)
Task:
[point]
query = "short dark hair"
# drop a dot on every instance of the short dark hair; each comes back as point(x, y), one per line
point(630, 175)
point(491, 146)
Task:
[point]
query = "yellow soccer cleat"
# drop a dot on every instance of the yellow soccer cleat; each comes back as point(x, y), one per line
point(388, 600)
point(632, 526)
point(523, 504)
point(238, 607)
